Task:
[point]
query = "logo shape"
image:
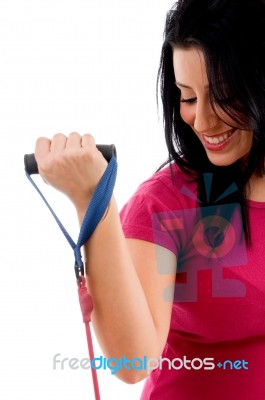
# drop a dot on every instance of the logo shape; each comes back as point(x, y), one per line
point(203, 238)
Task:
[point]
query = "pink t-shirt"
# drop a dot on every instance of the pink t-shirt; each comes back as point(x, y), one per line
point(216, 342)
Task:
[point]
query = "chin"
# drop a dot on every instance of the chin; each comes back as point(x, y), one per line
point(223, 161)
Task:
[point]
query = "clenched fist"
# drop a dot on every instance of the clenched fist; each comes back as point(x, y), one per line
point(72, 165)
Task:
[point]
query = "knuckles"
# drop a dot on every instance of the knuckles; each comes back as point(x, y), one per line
point(75, 166)
point(61, 156)
point(59, 136)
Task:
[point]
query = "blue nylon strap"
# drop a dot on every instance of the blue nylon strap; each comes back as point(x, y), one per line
point(94, 213)
point(98, 203)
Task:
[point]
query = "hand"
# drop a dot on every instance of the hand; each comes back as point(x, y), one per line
point(72, 164)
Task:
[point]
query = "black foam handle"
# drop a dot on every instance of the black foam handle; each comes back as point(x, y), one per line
point(31, 166)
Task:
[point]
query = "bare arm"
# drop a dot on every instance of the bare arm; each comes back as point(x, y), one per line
point(130, 316)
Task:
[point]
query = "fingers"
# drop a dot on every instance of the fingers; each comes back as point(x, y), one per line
point(45, 147)
point(42, 147)
point(88, 141)
point(73, 141)
point(58, 143)
point(71, 164)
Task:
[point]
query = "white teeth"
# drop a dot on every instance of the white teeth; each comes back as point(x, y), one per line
point(217, 139)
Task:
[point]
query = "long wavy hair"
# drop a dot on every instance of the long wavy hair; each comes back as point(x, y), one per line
point(231, 35)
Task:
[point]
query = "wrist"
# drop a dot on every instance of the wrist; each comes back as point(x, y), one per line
point(81, 210)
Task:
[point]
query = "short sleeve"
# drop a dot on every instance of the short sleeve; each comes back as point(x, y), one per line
point(153, 212)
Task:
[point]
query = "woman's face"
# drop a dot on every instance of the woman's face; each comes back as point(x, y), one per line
point(224, 145)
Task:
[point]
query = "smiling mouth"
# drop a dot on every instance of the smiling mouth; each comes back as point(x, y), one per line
point(218, 139)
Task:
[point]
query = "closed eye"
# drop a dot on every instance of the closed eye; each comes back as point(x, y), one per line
point(189, 101)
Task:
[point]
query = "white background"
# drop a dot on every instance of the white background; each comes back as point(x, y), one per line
point(66, 65)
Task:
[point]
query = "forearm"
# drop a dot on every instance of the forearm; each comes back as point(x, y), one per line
point(121, 316)
point(130, 317)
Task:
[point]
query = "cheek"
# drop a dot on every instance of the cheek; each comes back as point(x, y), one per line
point(248, 140)
point(187, 114)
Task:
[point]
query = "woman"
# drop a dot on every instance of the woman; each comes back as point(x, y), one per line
point(180, 272)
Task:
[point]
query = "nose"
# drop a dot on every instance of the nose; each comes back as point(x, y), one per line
point(205, 118)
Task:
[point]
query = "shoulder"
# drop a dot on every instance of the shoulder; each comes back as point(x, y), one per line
point(168, 189)
point(168, 183)
point(172, 176)
point(159, 200)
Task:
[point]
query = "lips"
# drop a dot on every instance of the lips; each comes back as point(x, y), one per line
point(217, 139)
point(220, 141)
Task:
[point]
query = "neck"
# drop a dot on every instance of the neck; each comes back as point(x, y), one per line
point(256, 190)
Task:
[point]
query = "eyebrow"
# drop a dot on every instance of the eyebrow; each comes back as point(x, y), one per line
point(188, 87)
